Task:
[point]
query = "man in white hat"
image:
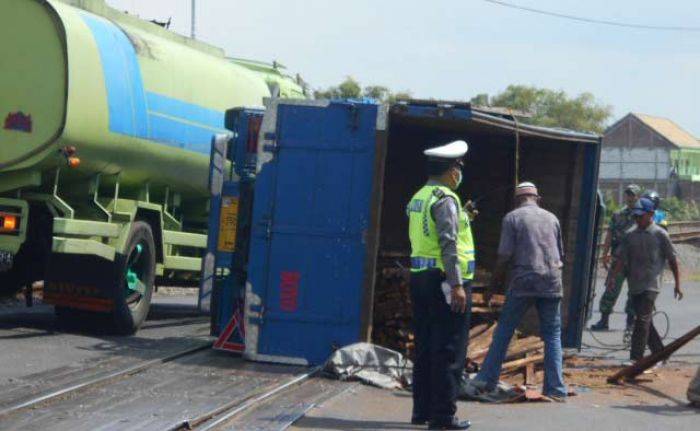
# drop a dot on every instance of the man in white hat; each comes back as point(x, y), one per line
point(532, 253)
point(442, 267)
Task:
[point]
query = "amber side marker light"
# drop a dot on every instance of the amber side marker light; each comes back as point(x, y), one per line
point(8, 223)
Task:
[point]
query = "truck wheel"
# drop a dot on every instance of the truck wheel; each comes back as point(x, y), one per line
point(137, 270)
point(9, 283)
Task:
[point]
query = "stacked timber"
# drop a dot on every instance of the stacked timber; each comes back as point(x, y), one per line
point(393, 313)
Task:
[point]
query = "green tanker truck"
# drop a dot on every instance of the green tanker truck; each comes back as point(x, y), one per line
point(105, 129)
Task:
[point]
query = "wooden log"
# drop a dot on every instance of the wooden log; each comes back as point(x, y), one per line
point(479, 299)
point(516, 349)
point(482, 340)
point(523, 346)
point(512, 366)
point(478, 330)
point(529, 373)
point(484, 310)
point(649, 361)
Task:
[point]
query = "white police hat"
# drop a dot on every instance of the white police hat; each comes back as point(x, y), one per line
point(453, 150)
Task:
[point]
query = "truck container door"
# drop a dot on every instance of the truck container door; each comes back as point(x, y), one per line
point(310, 219)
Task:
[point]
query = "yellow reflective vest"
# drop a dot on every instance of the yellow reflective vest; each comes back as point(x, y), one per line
point(422, 231)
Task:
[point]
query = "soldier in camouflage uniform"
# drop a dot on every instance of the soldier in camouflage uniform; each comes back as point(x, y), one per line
point(620, 223)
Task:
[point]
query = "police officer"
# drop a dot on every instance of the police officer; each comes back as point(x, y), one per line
point(620, 223)
point(442, 267)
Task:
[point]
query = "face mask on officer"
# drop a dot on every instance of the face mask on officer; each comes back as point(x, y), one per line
point(458, 180)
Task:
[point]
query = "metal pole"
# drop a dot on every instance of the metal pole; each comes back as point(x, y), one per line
point(193, 15)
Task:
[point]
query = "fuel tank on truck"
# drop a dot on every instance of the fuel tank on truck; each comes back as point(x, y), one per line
point(133, 98)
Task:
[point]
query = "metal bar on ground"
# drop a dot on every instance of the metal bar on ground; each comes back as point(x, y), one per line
point(649, 361)
point(102, 379)
point(226, 414)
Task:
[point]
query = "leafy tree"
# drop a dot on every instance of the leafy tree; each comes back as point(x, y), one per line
point(401, 95)
point(551, 108)
point(480, 100)
point(351, 89)
point(378, 92)
point(348, 89)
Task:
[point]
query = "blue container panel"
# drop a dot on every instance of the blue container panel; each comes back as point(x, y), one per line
point(312, 209)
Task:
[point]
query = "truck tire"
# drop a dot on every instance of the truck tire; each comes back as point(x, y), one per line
point(137, 270)
point(30, 262)
point(9, 283)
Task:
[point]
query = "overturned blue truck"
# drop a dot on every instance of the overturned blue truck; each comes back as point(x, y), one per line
point(308, 211)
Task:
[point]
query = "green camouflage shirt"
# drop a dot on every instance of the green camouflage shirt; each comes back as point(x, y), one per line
point(621, 222)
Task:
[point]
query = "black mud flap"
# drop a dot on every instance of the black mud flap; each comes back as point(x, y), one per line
point(82, 282)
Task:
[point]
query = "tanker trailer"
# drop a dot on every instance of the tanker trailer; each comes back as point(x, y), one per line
point(105, 129)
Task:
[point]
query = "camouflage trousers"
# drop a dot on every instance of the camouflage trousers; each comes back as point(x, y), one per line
point(609, 298)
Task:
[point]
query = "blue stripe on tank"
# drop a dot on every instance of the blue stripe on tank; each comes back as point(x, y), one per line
point(135, 112)
point(192, 113)
point(125, 95)
point(179, 134)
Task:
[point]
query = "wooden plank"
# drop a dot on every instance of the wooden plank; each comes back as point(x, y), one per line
point(516, 349)
point(512, 366)
point(529, 372)
point(649, 361)
point(483, 340)
point(496, 299)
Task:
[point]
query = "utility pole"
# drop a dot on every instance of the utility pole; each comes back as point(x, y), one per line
point(193, 15)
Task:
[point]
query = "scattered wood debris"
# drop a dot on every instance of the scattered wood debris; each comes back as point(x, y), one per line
point(393, 313)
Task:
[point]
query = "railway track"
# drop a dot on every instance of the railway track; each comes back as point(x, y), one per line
point(679, 231)
point(684, 231)
point(196, 388)
point(104, 379)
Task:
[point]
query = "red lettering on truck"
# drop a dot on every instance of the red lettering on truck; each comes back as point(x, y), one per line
point(289, 291)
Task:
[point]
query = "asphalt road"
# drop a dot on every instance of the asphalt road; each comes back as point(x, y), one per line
point(33, 345)
point(682, 315)
point(656, 402)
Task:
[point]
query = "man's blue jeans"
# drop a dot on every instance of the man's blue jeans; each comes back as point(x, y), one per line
point(549, 310)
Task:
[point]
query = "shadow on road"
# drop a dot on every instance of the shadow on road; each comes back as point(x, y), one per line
point(349, 424)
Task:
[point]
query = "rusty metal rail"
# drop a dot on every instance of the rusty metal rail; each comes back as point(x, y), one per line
point(683, 231)
point(101, 380)
point(679, 231)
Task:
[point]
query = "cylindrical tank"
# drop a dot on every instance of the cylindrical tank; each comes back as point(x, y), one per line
point(130, 96)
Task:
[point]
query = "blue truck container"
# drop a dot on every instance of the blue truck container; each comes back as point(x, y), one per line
point(331, 182)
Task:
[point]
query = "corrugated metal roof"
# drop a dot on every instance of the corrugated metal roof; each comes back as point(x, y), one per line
point(669, 130)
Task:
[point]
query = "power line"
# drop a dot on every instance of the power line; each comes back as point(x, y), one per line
point(592, 20)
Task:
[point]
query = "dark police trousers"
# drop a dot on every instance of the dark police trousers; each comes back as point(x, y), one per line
point(441, 338)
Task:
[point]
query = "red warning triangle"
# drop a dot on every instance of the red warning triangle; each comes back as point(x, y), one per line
point(232, 339)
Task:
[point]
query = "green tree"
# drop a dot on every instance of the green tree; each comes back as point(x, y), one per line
point(401, 95)
point(351, 89)
point(480, 100)
point(378, 92)
point(348, 89)
point(552, 108)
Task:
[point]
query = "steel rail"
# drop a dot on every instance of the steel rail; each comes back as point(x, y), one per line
point(102, 379)
point(228, 411)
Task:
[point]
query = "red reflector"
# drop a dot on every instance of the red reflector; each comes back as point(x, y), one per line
point(254, 124)
point(8, 223)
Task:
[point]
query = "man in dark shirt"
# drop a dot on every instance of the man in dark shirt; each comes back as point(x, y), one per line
point(620, 223)
point(532, 252)
point(642, 256)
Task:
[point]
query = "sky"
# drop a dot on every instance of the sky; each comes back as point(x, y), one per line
point(455, 49)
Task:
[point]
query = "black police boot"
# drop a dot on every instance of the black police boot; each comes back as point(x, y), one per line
point(603, 323)
point(454, 424)
point(419, 420)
